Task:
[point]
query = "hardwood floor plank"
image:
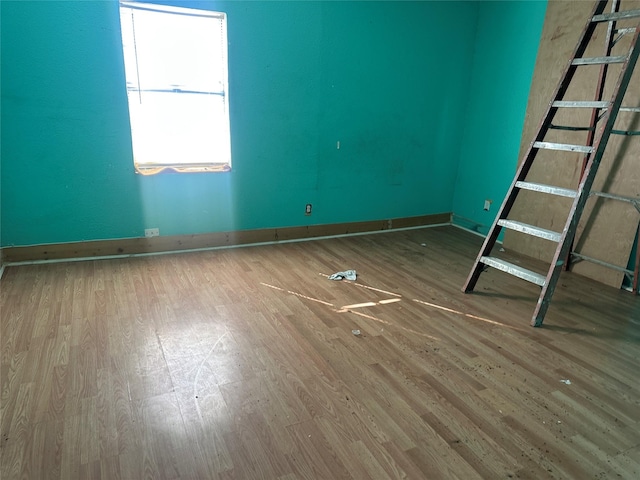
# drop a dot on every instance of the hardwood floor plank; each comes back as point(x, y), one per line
point(71, 461)
point(445, 464)
point(11, 374)
point(206, 421)
point(106, 419)
point(343, 436)
point(250, 463)
point(315, 457)
point(165, 456)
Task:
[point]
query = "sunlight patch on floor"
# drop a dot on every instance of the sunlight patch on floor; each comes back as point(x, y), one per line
point(298, 294)
point(352, 308)
point(369, 304)
point(364, 286)
point(468, 315)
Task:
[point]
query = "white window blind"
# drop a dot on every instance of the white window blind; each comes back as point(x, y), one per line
point(176, 80)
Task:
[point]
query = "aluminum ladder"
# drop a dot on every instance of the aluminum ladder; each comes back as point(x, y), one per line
point(603, 117)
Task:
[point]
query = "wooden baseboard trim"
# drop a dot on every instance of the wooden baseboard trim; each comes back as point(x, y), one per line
point(137, 246)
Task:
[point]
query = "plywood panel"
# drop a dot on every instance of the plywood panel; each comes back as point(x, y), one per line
point(607, 228)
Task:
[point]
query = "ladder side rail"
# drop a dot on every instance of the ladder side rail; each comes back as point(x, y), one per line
point(586, 182)
point(595, 113)
point(636, 270)
point(525, 165)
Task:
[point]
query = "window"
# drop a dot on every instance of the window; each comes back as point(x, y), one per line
point(176, 74)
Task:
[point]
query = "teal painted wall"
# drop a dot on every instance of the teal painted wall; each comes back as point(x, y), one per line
point(388, 80)
point(65, 155)
point(503, 64)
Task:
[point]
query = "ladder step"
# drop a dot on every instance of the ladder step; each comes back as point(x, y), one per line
point(635, 201)
point(601, 263)
point(579, 104)
point(539, 187)
point(608, 17)
point(530, 230)
point(624, 31)
point(598, 60)
point(563, 146)
point(514, 270)
point(600, 105)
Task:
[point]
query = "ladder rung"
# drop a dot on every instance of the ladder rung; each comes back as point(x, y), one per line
point(605, 107)
point(514, 270)
point(621, 32)
point(563, 146)
point(628, 133)
point(600, 105)
point(570, 129)
point(598, 60)
point(624, 31)
point(579, 104)
point(530, 230)
point(601, 263)
point(635, 201)
point(539, 187)
point(608, 17)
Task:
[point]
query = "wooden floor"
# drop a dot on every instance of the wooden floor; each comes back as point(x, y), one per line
point(242, 364)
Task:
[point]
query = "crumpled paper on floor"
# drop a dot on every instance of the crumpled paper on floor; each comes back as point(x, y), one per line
point(346, 275)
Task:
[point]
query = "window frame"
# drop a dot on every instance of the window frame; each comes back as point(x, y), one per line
point(221, 152)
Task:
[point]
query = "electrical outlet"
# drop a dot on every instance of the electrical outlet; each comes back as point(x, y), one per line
point(307, 209)
point(151, 232)
point(487, 205)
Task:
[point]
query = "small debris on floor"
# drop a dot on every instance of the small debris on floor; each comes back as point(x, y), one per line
point(356, 332)
point(347, 274)
point(502, 249)
point(423, 244)
point(566, 382)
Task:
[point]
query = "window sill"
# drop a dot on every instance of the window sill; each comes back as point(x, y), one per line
point(156, 169)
